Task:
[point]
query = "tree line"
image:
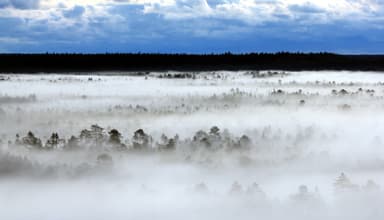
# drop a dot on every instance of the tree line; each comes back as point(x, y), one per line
point(75, 62)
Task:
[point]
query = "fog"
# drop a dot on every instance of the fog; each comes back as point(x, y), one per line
point(203, 145)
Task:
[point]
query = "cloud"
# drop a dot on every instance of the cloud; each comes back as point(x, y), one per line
point(181, 9)
point(75, 12)
point(250, 11)
point(186, 25)
point(20, 4)
point(306, 8)
point(256, 12)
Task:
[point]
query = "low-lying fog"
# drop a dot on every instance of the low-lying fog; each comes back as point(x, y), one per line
point(206, 145)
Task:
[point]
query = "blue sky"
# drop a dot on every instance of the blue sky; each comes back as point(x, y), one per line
point(192, 26)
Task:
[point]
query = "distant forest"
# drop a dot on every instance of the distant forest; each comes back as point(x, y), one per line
point(49, 63)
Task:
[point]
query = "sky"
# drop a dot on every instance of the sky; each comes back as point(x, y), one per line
point(191, 26)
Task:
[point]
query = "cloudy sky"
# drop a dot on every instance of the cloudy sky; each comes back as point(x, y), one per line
point(192, 26)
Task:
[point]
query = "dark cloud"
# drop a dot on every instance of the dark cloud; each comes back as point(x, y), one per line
point(20, 4)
